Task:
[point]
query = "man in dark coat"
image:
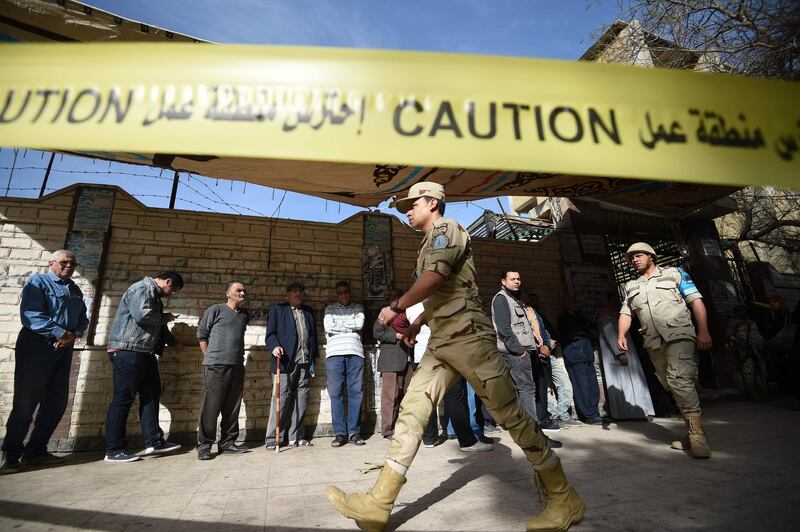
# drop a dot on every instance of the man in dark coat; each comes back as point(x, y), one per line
point(292, 340)
point(394, 365)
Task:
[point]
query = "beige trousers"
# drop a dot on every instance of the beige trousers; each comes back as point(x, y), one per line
point(676, 368)
point(477, 359)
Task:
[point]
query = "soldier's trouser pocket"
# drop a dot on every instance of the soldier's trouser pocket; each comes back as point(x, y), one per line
point(496, 382)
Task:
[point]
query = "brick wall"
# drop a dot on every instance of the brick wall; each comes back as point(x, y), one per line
point(209, 250)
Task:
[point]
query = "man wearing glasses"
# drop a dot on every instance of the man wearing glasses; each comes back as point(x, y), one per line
point(53, 316)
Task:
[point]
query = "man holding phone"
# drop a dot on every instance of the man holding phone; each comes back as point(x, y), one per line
point(138, 333)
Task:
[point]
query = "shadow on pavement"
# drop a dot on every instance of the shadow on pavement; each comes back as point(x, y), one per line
point(59, 516)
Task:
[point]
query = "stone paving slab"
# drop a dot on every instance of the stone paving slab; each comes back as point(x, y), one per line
point(625, 472)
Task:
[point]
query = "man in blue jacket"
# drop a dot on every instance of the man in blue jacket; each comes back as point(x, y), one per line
point(53, 316)
point(292, 340)
point(138, 333)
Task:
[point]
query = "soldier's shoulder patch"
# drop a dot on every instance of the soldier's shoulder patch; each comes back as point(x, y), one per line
point(440, 242)
point(440, 230)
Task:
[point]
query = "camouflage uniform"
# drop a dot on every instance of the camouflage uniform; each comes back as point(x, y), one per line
point(462, 342)
point(660, 303)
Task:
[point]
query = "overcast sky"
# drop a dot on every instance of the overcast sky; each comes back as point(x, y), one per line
point(532, 28)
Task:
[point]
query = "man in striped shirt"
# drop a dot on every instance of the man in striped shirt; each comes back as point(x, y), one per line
point(344, 361)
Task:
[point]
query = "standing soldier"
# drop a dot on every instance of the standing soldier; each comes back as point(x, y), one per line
point(660, 297)
point(462, 343)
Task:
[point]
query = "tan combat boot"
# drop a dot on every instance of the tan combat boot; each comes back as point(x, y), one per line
point(698, 443)
point(371, 509)
point(563, 509)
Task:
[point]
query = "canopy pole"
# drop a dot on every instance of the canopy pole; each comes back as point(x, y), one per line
point(174, 194)
point(47, 174)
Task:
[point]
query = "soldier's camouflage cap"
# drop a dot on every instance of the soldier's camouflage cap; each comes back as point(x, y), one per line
point(425, 188)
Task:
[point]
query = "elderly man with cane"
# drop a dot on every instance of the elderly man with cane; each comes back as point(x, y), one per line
point(292, 340)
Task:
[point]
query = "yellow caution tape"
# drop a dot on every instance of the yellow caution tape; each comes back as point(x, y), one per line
point(425, 109)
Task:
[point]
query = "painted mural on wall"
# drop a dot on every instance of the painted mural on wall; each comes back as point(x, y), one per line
point(377, 256)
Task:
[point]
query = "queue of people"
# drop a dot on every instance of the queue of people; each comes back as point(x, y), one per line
point(436, 346)
point(552, 368)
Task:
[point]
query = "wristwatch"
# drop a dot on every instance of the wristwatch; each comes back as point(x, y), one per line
point(394, 306)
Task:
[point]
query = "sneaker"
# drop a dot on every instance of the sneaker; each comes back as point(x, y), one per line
point(484, 439)
point(42, 459)
point(478, 447)
point(122, 456)
point(162, 447)
point(10, 466)
point(429, 445)
point(569, 422)
point(232, 448)
point(338, 441)
point(549, 425)
point(356, 439)
point(302, 443)
point(271, 446)
point(204, 454)
point(490, 428)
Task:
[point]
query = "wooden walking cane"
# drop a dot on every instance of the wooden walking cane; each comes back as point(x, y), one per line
point(278, 409)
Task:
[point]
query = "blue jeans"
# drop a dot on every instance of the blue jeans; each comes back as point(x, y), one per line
point(579, 359)
point(41, 378)
point(559, 407)
point(133, 373)
point(522, 375)
point(345, 370)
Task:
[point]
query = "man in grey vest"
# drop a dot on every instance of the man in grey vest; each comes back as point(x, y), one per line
point(518, 340)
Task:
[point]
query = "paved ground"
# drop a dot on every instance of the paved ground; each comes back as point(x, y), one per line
point(627, 476)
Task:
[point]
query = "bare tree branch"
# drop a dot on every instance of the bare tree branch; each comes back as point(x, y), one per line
point(751, 37)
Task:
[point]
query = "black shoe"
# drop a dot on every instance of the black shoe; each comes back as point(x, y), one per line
point(553, 444)
point(204, 454)
point(549, 425)
point(232, 448)
point(339, 440)
point(356, 439)
point(10, 466)
point(593, 421)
